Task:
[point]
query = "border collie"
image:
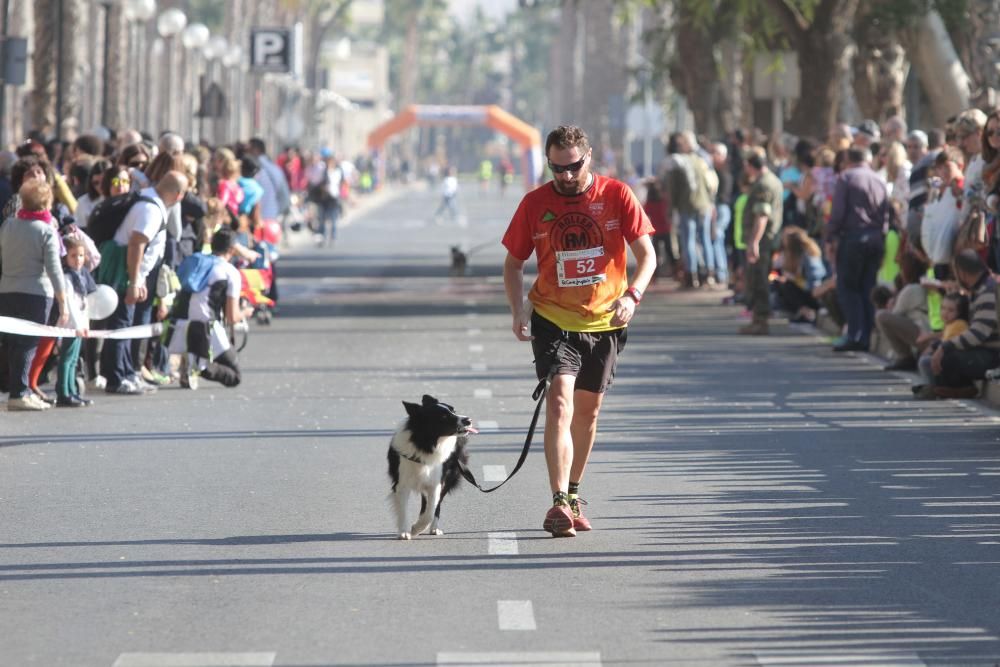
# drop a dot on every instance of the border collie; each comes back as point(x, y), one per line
point(425, 457)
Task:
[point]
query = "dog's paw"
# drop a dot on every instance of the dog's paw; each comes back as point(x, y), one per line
point(405, 536)
point(436, 531)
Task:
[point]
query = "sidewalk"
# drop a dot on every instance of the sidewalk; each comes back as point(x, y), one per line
point(881, 352)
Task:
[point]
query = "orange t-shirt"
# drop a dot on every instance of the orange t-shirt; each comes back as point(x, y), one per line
point(580, 245)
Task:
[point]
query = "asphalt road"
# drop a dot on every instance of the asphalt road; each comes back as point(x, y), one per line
point(755, 502)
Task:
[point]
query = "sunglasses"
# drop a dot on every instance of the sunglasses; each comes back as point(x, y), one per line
point(117, 182)
point(562, 168)
point(138, 164)
point(995, 132)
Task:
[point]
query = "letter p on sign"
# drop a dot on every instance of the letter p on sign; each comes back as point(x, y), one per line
point(271, 49)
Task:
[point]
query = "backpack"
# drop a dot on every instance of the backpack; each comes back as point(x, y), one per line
point(109, 215)
point(194, 271)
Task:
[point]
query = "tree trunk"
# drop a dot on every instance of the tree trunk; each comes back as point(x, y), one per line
point(880, 69)
point(822, 47)
point(973, 39)
point(694, 73)
point(43, 67)
point(941, 73)
point(117, 39)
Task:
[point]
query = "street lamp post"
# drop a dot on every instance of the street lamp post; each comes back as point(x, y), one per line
point(194, 38)
point(216, 48)
point(233, 59)
point(139, 12)
point(168, 25)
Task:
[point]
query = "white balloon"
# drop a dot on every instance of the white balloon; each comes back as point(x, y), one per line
point(102, 303)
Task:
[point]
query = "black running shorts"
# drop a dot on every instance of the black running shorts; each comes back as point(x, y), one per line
point(590, 357)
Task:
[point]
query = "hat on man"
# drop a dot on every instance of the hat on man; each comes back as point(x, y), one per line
point(868, 127)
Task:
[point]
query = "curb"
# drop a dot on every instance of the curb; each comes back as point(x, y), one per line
point(881, 351)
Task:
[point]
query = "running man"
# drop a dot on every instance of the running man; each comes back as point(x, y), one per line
point(579, 226)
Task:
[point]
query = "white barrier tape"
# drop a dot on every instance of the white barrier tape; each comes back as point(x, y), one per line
point(12, 325)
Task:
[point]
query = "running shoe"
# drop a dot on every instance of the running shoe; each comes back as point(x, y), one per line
point(580, 522)
point(559, 521)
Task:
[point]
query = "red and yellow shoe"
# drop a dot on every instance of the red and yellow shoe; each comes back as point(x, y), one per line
point(559, 521)
point(580, 522)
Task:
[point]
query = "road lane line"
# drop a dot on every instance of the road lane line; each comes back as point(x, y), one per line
point(474, 332)
point(479, 368)
point(482, 393)
point(195, 660)
point(515, 615)
point(488, 426)
point(839, 659)
point(494, 473)
point(502, 544)
point(523, 659)
point(476, 348)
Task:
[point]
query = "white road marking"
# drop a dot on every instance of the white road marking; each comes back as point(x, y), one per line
point(482, 393)
point(502, 544)
point(494, 473)
point(525, 659)
point(475, 348)
point(195, 660)
point(487, 426)
point(472, 316)
point(474, 332)
point(471, 303)
point(479, 368)
point(515, 615)
point(839, 659)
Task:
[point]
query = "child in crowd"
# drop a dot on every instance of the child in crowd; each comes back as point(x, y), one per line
point(881, 297)
point(955, 313)
point(802, 271)
point(79, 284)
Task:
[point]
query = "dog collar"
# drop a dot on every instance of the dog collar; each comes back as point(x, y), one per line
point(409, 457)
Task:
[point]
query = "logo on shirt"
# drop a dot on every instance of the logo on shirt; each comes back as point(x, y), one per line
point(575, 231)
point(597, 208)
point(611, 225)
point(549, 216)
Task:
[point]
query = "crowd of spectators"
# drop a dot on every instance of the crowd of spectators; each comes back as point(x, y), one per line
point(887, 232)
point(129, 211)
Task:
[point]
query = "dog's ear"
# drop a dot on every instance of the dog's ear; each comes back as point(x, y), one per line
point(429, 400)
point(412, 409)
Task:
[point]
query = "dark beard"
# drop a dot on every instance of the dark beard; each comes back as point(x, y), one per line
point(575, 187)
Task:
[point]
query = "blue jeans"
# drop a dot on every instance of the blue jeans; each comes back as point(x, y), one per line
point(858, 261)
point(697, 227)
point(724, 216)
point(21, 349)
point(447, 204)
point(116, 355)
point(328, 216)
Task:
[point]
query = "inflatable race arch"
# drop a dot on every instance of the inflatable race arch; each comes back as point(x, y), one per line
point(527, 137)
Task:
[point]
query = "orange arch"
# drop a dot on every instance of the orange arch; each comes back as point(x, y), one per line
point(527, 137)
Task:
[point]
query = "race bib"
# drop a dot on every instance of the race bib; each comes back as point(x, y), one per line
point(576, 268)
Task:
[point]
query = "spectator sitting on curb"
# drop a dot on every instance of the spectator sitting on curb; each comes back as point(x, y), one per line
point(906, 320)
point(955, 313)
point(958, 362)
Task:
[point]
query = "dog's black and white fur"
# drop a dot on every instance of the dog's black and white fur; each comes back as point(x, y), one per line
point(425, 457)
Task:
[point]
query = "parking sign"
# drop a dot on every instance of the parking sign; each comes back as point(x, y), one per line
point(271, 49)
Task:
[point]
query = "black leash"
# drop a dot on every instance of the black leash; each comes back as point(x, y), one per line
point(539, 394)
